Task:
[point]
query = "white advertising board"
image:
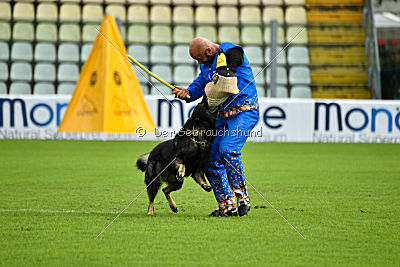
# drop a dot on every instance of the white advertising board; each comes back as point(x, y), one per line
point(281, 120)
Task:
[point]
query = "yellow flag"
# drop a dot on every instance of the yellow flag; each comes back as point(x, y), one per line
point(107, 96)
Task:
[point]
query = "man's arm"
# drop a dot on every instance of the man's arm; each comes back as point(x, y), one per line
point(234, 58)
point(195, 89)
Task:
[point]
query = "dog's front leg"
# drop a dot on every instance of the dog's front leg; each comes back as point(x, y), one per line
point(180, 175)
point(199, 178)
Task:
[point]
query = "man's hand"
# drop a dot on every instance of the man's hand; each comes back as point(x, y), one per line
point(181, 92)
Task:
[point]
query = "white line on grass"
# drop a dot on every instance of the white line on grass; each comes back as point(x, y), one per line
point(134, 199)
point(280, 214)
point(63, 211)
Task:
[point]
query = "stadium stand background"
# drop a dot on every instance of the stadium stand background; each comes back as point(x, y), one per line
point(44, 44)
point(387, 15)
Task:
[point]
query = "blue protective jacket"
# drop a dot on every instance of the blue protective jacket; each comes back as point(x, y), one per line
point(244, 74)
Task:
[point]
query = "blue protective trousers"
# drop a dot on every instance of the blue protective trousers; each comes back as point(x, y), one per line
point(225, 169)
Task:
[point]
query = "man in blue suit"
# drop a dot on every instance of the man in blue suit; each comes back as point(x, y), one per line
point(238, 113)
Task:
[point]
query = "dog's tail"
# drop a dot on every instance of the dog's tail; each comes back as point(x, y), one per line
point(141, 163)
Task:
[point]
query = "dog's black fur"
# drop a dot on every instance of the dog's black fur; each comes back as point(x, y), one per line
point(189, 152)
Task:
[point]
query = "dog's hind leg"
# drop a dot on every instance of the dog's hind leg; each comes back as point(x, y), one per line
point(167, 191)
point(152, 187)
point(198, 176)
point(180, 175)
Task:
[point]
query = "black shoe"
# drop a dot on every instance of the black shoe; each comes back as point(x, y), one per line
point(244, 205)
point(215, 213)
point(228, 213)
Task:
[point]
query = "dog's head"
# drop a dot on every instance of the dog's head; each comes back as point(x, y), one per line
point(202, 113)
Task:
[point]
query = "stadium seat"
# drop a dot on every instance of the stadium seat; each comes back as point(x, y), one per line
point(45, 52)
point(115, 1)
point(118, 11)
point(23, 31)
point(259, 77)
point(65, 88)
point(138, 34)
point(160, 54)
point(69, 33)
point(68, 52)
point(299, 75)
point(183, 34)
point(205, 2)
point(270, 13)
point(3, 88)
point(145, 88)
point(21, 72)
point(228, 34)
point(46, 32)
point(182, 2)
point(260, 90)
point(181, 54)
point(296, 15)
point(280, 52)
point(89, 32)
point(183, 15)
point(281, 92)
point(85, 51)
point(298, 55)
point(23, 11)
point(250, 15)
point(21, 51)
point(4, 51)
point(70, 13)
point(5, 31)
point(92, 13)
point(45, 72)
point(205, 15)
point(44, 89)
point(67, 72)
point(295, 2)
point(272, 2)
point(252, 35)
point(280, 35)
point(141, 75)
point(227, 2)
point(228, 15)
point(300, 92)
point(166, 2)
point(122, 31)
point(183, 74)
point(164, 71)
point(47, 12)
point(3, 71)
point(5, 11)
point(138, 14)
point(254, 54)
point(300, 32)
point(20, 88)
point(160, 14)
point(90, 1)
point(208, 32)
point(160, 34)
point(249, 2)
point(281, 75)
point(139, 52)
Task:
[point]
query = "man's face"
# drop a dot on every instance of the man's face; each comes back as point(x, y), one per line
point(204, 57)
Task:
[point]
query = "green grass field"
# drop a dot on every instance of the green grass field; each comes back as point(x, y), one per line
point(345, 199)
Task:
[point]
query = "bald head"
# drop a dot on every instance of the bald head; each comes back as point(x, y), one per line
point(203, 50)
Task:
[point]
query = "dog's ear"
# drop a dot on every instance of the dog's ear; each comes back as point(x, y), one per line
point(204, 100)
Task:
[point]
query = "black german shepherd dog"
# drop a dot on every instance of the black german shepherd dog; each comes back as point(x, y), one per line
point(186, 154)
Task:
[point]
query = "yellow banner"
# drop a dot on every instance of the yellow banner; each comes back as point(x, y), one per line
point(107, 96)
